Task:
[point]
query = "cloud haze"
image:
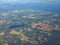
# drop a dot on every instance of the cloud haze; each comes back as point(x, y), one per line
point(30, 1)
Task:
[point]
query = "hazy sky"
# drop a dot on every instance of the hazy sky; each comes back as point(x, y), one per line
point(30, 1)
